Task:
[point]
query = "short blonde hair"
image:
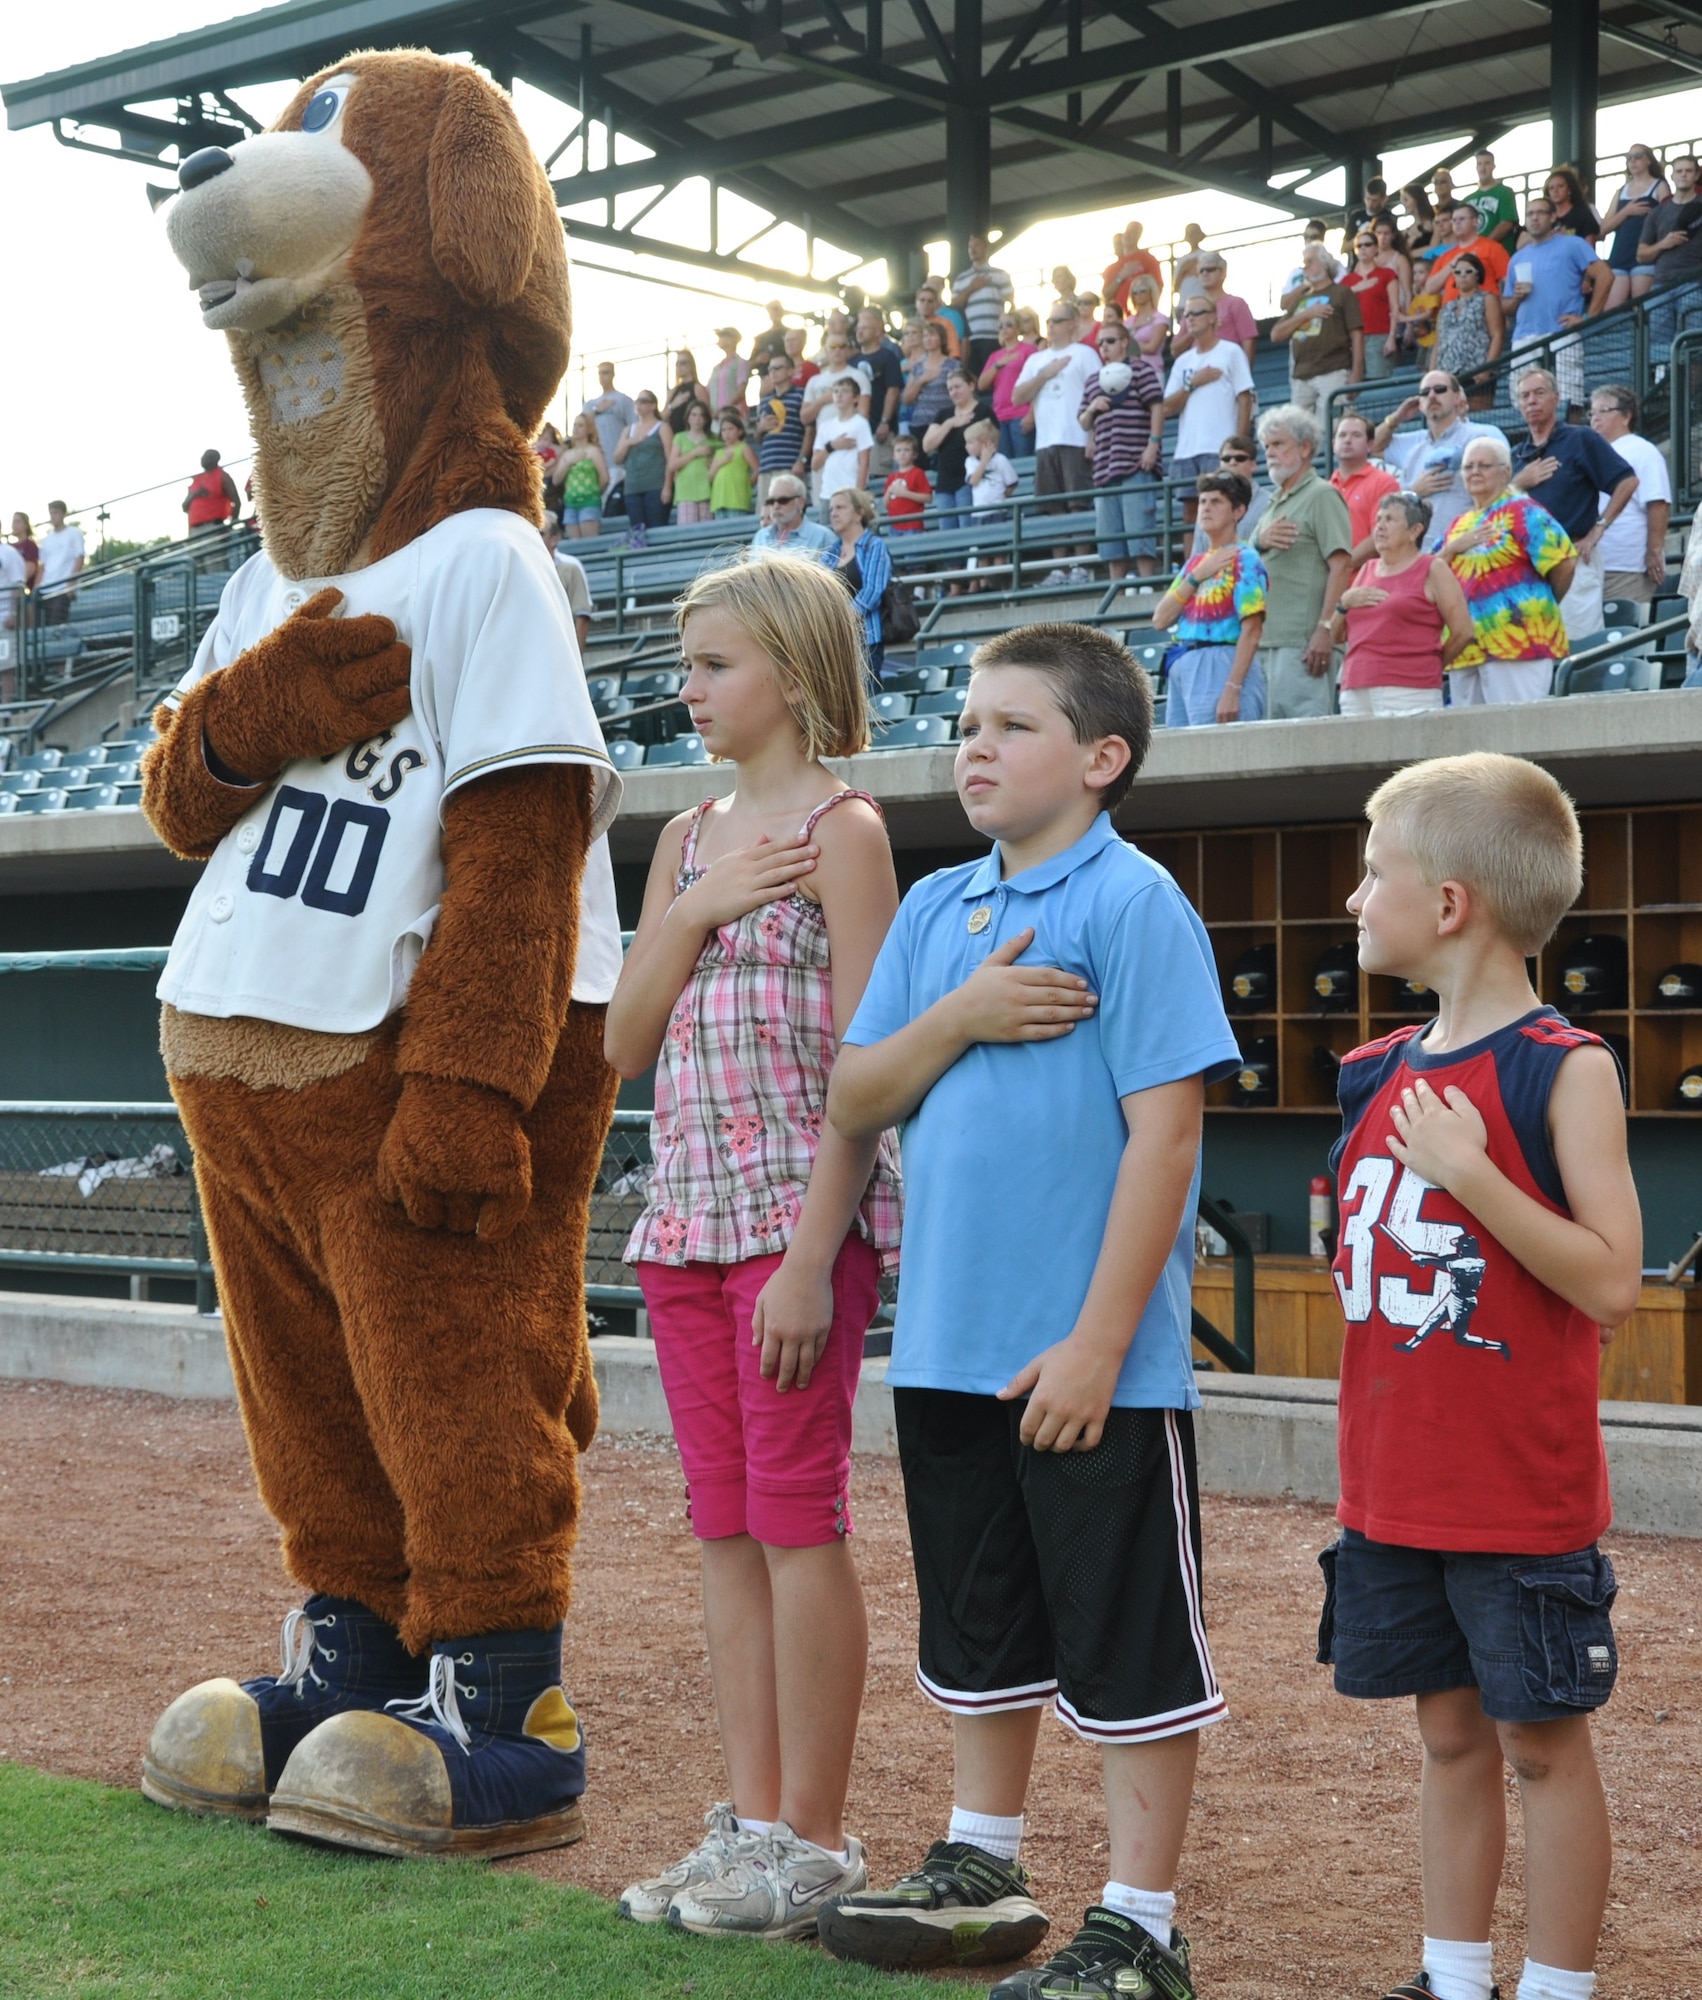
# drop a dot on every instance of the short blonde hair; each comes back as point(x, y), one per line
point(799, 613)
point(1500, 825)
point(983, 427)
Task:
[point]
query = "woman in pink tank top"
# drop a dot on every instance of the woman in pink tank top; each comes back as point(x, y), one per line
point(764, 1231)
point(1404, 618)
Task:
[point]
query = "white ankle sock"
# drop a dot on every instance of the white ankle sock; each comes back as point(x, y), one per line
point(755, 1825)
point(1459, 1970)
point(842, 1855)
point(1553, 1982)
point(997, 1836)
point(1152, 1909)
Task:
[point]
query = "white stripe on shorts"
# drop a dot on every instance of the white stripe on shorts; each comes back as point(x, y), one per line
point(1185, 1555)
point(1173, 1722)
point(997, 1701)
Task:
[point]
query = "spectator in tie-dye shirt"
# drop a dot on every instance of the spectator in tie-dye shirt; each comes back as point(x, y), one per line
point(1515, 564)
point(1217, 605)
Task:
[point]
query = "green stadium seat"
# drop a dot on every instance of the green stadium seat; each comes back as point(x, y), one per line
point(948, 703)
point(89, 798)
point(1626, 674)
point(652, 686)
point(889, 707)
point(913, 732)
point(128, 794)
point(44, 801)
point(951, 653)
point(603, 687)
point(1623, 611)
point(624, 754)
point(683, 750)
point(12, 782)
point(919, 679)
point(86, 759)
point(41, 760)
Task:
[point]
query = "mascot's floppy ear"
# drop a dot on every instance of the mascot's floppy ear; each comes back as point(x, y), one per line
point(481, 182)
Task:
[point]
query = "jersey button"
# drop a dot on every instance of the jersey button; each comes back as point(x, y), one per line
point(294, 600)
point(248, 839)
point(220, 909)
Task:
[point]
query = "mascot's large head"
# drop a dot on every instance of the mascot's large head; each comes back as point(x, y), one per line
point(389, 267)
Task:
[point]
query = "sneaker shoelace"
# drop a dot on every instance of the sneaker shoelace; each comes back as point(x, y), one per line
point(297, 1646)
point(438, 1704)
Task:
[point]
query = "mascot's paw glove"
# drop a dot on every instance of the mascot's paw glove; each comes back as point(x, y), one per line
point(456, 1157)
point(309, 689)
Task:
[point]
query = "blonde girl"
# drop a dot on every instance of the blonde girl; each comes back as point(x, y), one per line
point(764, 1232)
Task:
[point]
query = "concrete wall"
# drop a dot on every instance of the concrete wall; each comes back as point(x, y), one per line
point(1270, 1437)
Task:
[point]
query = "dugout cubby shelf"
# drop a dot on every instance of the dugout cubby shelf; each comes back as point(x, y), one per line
point(1287, 887)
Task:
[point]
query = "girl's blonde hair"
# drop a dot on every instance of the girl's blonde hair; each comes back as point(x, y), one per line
point(1501, 825)
point(798, 613)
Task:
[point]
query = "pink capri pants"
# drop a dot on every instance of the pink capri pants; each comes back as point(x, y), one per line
point(758, 1462)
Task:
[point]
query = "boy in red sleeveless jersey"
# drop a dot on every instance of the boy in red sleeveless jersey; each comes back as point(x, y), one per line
point(1489, 1234)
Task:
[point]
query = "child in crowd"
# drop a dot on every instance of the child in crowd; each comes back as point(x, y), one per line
point(992, 477)
point(1217, 605)
point(764, 1232)
point(1489, 1231)
point(992, 481)
point(907, 491)
point(1044, 1022)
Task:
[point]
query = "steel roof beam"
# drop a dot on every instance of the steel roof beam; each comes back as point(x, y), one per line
point(1187, 47)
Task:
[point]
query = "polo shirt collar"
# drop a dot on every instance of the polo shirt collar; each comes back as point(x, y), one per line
point(1044, 874)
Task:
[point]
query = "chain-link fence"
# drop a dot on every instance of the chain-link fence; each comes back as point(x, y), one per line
point(100, 1189)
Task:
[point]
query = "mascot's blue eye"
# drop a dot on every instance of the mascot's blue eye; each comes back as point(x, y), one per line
point(321, 109)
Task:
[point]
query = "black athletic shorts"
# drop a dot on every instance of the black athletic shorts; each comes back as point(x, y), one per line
point(1072, 1576)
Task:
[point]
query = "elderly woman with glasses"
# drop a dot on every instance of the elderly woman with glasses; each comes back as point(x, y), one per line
point(1404, 617)
point(1515, 562)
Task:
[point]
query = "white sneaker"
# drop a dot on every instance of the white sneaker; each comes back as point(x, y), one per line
point(1078, 575)
point(1053, 577)
point(647, 1902)
point(769, 1887)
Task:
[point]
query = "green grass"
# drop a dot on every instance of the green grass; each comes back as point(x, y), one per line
point(101, 1893)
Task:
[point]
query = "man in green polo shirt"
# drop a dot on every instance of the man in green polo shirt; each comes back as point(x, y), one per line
point(1497, 209)
point(1306, 540)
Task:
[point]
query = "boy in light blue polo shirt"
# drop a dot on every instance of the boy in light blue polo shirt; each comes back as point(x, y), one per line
point(1043, 1024)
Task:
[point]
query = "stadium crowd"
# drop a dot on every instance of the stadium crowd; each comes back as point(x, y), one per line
point(1299, 588)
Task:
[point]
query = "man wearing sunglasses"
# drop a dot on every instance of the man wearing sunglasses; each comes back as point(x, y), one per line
point(1427, 461)
point(1054, 381)
point(1210, 392)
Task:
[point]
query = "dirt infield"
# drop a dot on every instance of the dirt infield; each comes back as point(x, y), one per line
point(135, 1559)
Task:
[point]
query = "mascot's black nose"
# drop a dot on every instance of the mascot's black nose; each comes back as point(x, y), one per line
point(206, 165)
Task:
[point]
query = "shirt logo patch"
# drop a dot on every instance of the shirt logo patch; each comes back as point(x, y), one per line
point(979, 920)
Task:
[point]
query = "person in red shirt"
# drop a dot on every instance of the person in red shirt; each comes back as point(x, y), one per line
point(1360, 483)
point(1130, 261)
point(907, 491)
point(1377, 287)
point(212, 500)
point(1489, 1233)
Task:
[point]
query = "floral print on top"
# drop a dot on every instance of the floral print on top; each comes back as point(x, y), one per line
point(741, 1090)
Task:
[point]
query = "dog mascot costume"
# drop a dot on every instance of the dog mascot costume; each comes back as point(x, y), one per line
point(383, 1015)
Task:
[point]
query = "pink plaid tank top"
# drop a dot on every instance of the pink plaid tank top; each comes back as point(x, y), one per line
point(741, 1090)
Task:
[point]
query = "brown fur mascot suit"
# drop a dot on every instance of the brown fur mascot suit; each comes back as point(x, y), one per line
point(384, 1015)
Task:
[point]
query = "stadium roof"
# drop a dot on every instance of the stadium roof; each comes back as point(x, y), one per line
point(884, 124)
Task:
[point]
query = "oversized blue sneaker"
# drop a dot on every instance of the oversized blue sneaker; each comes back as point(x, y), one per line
point(488, 1761)
point(221, 1745)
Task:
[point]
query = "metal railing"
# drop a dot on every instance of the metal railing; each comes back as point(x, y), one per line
point(1685, 444)
point(1632, 344)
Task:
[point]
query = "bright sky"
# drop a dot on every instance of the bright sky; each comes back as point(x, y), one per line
point(114, 385)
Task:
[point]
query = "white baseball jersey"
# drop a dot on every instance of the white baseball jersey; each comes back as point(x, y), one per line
point(317, 904)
